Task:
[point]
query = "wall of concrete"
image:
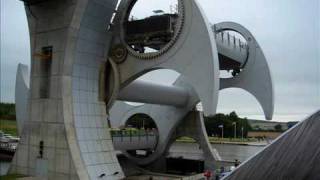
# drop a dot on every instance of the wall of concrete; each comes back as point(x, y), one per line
point(89, 51)
point(65, 113)
point(48, 26)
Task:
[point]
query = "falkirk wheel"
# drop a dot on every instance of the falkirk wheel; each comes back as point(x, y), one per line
point(87, 58)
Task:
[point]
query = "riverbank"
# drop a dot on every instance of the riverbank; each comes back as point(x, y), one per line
point(231, 141)
point(8, 126)
point(11, 177)
point(191, 151)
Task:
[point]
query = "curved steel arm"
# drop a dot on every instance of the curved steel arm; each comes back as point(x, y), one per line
point(255, 77)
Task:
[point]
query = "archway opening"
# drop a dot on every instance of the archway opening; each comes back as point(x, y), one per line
point(139, 136)
point(241, 101)
point(141, 121)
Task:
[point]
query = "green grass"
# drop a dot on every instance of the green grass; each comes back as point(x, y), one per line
point(12, 177)
point(217, 140)
point(8, 126)
point(186, 140)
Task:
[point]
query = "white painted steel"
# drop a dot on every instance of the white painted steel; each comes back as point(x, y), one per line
point(74, 118)
point(256, 76)
point(151, 93)
point(194, 55)
point(22, 95)
point(231, 47)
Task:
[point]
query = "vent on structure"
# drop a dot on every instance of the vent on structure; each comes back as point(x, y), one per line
point(45, 71)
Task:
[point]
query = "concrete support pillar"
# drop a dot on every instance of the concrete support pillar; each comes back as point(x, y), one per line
point(193, 126)
point(66, 135)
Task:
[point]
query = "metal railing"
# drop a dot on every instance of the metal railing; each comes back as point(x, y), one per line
point(141, 134)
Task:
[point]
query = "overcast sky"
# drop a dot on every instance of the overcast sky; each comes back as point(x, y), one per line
point(287, 30)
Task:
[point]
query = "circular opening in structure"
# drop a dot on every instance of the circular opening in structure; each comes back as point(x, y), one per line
point(234, 55)
point(141, 121)
point(242, 102)
point(151, 25)
point(142, 133)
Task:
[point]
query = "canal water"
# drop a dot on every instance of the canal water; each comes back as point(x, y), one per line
point(228, 152)
point(231, 152)
point(4, 166)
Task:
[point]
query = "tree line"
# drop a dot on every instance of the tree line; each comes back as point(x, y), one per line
point(7, 111)
point(227, 122)
point(213, 124)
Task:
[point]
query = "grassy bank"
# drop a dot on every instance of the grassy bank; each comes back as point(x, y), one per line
point(219, 140)
point(11, 177)
point(8, 126)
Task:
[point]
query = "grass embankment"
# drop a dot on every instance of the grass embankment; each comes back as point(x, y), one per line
point(218, 140)
point(8, 127)
point(11, 177)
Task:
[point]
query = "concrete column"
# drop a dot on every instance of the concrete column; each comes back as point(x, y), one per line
point(193, 126)
point(67, 135)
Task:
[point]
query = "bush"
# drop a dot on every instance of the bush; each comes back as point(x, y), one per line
point(228, 120)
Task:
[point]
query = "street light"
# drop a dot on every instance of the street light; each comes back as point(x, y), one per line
point(221, 126)
point(242, 133)
point(235, 129)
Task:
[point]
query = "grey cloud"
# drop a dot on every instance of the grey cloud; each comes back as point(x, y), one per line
point(287, 30)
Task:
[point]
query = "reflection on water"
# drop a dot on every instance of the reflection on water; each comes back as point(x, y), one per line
point(228, 152)
point(240, 152)
point(4, 167)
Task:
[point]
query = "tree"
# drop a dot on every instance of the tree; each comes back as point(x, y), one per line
point(212, 125)
point(7, 111)
point(257, 128)
point(278, 128)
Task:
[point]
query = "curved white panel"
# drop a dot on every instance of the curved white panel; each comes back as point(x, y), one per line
point(167, 118)
point(22, 95)
point(193, 55)
point(255, 77)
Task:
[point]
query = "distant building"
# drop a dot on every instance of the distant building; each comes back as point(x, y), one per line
point(264, 134)
point(268, 129)
point(264, 125)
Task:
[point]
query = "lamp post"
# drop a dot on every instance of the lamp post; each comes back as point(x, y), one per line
point(242, 133)
point(235, 129)
point(221, 126)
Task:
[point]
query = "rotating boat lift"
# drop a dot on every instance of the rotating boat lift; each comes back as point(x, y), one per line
point(96, 70)
point(198, 53)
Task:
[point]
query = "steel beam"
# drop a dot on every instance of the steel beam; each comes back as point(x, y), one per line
point(150, 93)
